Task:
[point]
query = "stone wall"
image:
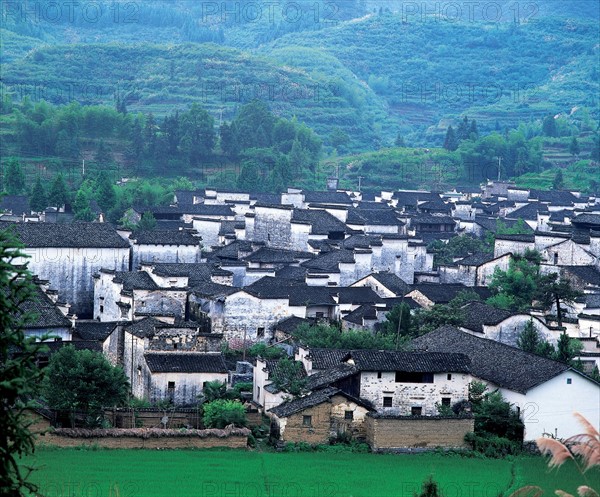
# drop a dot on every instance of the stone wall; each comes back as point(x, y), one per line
point(292, 428)
point(196, 439)
point(388, 434)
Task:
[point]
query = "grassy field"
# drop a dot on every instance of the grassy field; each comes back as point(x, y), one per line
point(220, 473)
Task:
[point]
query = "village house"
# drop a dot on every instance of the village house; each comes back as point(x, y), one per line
point(67, 255)
point(473, 270)
point(544, 392)
point(164, 246)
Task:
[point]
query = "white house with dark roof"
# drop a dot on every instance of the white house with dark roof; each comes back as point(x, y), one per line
point(164, 246)
point(483, 320)
point(545, 392)
point(473, 270)
point(67, 255)
point(178, 376)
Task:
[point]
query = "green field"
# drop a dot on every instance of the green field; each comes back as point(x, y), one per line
point(220, 473)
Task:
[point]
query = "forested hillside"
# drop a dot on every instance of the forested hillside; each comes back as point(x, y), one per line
point(365, 76)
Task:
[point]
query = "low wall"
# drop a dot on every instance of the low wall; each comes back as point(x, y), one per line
point(141, 438)
point(152, 418)
point(404, 432)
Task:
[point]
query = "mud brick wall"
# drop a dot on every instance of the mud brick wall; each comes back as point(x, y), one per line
point(404, 432)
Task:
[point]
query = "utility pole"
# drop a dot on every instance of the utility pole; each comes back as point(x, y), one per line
point(83, 167)
point(499, 166)
point(360, 182)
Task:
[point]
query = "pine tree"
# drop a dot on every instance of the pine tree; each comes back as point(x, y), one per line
point(549, 126)
point(529, 339)
point(399, 140)
point(558, 181)
point(462, 132)
point(58, 195)
point(14, 178)
point(147, 222)
point(105, 192)
point(574, 147)
point(450, 142)
point(473, 132)
point(38, 200)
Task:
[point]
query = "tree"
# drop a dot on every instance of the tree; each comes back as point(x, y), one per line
point(289, 376)
point(574, 147)
point(567, 348)
point(84, 380)
point(38, 200)
point(14, 178)
point(552, 290)
point(473, 132)
point(147, 222)
point(399, 140)
point(339, 139)
point(222, 412)
point(462, 132)
point(105, 192)
point(58, 195)
point(197, 134)
point(516, 288)
point(398, 321)
point(450, 142)
point(214, 390)
point(549, 126)
point(558, 182)
point(528, 339)
point(19, 372)
point(429, 488)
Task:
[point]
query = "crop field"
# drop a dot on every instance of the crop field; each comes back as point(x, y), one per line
point(231, 473)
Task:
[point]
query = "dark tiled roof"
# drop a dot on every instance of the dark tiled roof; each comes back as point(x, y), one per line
point(216, 210)
point(361, 241)
point(299, 294)
point(392, 282)
point(43, 311)
point(277, 256)
point(506, 366)
point(326, 358)
point(356, 295)
point(442, 294)
point(475, 260)
point(95, 330)
point(477, 314)
point(289, 325)
point(185, 197)
point(299, 404)
point(409, 198)
point(321, 221)
point(185, 362)
point(423, 218)
point(409, 362)
point(529, 212)
point(330, 261)
point(292, 273)
point(328, 376)
point(588, 219)
point(589, 274)
point(232, 251)
point(54, 347)
point(164, 237)
point(327, 198)
point(16, 204)
point(553, 197)
point(374, 217)
point(517, 238)
point(135, 280)
point(491, 223)
point(197, 273)
point(76, 235)
point(144, 328)
point(362, 312)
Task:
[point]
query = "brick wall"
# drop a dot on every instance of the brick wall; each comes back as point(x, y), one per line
point(318, 432)
point(404, 432)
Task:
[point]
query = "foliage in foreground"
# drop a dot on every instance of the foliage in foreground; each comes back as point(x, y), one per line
point(18, 371)
point(582, 449)
point(222, 412)
point(84, 380)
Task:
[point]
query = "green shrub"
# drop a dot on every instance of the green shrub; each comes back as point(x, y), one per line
point(221, 412)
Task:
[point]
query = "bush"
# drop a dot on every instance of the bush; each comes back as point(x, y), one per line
point(221, 412)
point(493, 446)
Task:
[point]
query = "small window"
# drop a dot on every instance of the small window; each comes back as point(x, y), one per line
point(320, 315)
point(416, 411)
point(175, 345)
point(258, 392)
point(260, 332)
point(306, 420)
point(171, 385)
point(446, 401)
point(101, 308)
point(449, 376)
point(349, 415)
point(387, 402)
point(518, 409)
point(569, 381)
point(379, 374)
